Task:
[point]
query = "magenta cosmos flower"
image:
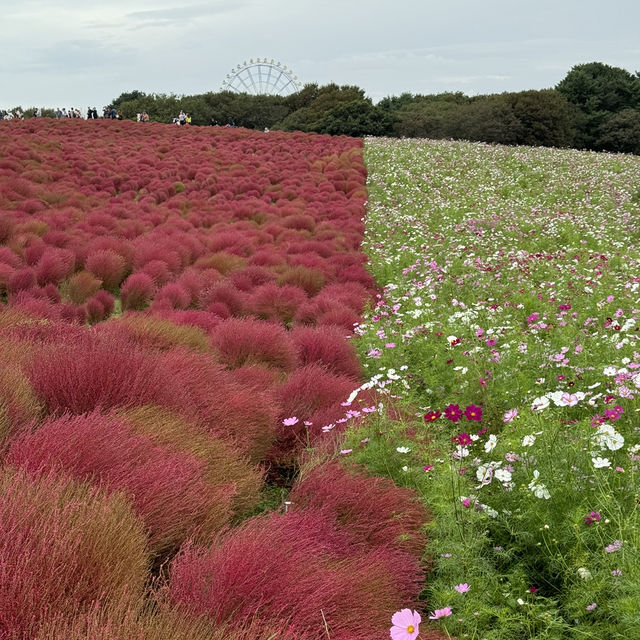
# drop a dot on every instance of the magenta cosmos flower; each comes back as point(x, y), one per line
point(473, 412)
point(453, 412)
point(405, 625)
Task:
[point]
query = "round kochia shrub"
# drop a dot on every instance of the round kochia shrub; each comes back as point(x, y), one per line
point(82, 286)
point(64, 547)
point(225, 407)
point(168, 488)
point(373, 510)
point(89, 372)
point(19, 404)
point(247, 341)
point(271, 302)
point(150, 332)
point(136, 291)
point(166, 623)
point(223, 464)
point(326, 346)
point(295, 567)
point(107, 265)
point(310, 390)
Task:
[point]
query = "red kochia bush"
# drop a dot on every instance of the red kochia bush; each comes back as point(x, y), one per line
point(166, 623)
point(295, 567)
point(136, 291)
point(239, 342)
point(225, 407)
point(63, 547)
point(91, 372)
point(82, 286)
point(20, 280)
point(172, 296)
point(312, 393)
point(54, 266)
point(326, 346)
point(272, 302)
point(224, 293)
point(166, 487)
point(107, 265)
point(373, 510)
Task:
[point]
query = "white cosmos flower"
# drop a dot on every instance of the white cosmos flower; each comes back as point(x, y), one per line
point(615, 441)
point(484, 473)
point(528, 441)
point(460, 452)
point(403, 449)
point(539, 404)
point(503, 475)
point(539, 489)
point(491, 443)
point(610, 371)
point(585, 574)
point(601, 463)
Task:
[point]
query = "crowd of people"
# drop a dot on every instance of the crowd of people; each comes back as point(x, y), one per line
point(183, 118)
point(72, 112)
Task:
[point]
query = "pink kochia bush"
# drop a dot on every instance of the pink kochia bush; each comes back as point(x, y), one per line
point(298, 569)
point(374, 510)
point(240, 342)
point(64, 547)
point(167, 488)
point(91, 372)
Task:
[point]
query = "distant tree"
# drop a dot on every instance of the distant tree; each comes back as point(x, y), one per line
point(357, 118)
point(490, 118)
point(596, 87)
point(621, 132)
point(545, 118)
point(318, 102)
point(427, 117)
point(599, 91)
point(127, 96)
point(392, 104)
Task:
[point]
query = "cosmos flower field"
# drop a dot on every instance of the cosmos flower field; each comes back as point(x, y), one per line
point(506, 338)
point(287, 386)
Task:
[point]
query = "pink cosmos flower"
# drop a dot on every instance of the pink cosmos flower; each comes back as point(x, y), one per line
point(510, 415)
point(405, 625)
point(614, 546)
point(462, 588)
point(441, 613)
point(289, 422)
point(428, 467)
point(491, 342)
point(591, 607)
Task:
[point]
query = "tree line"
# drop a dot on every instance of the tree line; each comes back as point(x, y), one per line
point(596, 106)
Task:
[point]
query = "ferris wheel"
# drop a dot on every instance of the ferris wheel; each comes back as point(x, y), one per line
point(262, 77)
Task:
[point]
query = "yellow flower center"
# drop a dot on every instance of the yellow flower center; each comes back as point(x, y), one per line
point(410, 628)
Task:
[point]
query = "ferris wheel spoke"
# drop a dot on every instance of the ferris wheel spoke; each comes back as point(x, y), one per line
point(261, 78)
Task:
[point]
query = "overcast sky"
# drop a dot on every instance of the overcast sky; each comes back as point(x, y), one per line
point(87, 52)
